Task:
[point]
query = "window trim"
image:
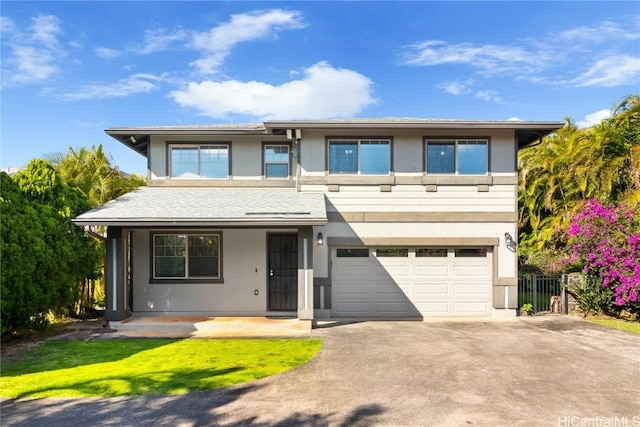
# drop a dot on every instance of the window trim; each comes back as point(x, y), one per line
point(435, 249)
point(455, 140)
point(466, 252)
point(198, 145)
point(352, 252)
point(185, 280)
point(358, 140)
point(392, 252)
point(264, 160)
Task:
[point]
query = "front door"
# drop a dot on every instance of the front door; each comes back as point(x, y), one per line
point(283, 272)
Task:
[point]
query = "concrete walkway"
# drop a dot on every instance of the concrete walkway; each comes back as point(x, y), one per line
point(545, 371)
point(211, 327)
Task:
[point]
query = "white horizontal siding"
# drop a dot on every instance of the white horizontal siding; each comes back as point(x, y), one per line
point(499, 198)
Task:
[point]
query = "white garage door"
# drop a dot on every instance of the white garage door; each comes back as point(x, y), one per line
point(400, 282)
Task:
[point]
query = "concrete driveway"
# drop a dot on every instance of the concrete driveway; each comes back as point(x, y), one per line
point(548, 371)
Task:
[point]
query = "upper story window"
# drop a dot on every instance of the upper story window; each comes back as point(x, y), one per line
point(276, 161)
point(457, 156)
point(210, 161)
point(360, 156)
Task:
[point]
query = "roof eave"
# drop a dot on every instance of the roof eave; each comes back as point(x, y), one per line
point(319, 124)
point(167, 222)
point(138, 138)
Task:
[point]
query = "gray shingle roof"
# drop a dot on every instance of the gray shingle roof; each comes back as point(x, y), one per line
point(209, 206)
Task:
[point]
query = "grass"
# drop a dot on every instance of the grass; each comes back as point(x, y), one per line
point(623, 325)
point(135, 367)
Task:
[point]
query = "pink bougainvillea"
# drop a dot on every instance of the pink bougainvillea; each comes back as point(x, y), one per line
point(606, 241)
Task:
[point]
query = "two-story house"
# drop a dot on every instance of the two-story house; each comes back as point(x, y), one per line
point(367, 218)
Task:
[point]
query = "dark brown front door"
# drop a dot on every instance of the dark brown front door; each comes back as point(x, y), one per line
point(283, 272)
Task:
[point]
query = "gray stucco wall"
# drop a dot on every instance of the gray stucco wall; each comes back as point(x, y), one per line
point(244, 268)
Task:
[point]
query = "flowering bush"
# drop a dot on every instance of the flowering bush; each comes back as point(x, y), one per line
point(605, 240)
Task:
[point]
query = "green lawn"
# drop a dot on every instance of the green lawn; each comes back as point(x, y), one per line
point(146, 366)
point(623, 325)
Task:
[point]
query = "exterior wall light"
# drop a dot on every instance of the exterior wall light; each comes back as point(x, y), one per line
point(320, 239)
point(511, 244)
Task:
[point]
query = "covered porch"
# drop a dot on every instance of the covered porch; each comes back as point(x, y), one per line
point(230, 252)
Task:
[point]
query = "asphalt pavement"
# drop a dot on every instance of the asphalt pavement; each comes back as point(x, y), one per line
point(547, 371)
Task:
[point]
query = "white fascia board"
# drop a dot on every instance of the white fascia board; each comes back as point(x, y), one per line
point(191, 223)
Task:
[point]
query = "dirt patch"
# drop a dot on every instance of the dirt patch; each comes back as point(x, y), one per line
point(72, 329)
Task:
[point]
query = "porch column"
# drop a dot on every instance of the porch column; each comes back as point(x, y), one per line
point(305, 273)
point(114, 275)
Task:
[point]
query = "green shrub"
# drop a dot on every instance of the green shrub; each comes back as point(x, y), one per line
point(591, 296)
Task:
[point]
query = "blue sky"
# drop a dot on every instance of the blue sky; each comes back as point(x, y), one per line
point(71, 69)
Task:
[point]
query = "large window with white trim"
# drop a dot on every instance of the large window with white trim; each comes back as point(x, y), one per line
point(186, 256)
point(360, 156)
point(457, 156)
point(206, 161)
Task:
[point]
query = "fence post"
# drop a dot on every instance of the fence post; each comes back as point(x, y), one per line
point(563, 294)
point(535, 292)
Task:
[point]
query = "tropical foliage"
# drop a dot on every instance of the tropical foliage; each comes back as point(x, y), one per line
point(91, 172)
point(44, 255)
point(48, 264)
point(605, 240)
point(572, 166)
point(579, 198)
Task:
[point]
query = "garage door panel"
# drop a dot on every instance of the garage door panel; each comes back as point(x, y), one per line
point(433, 307)
point(469, 288)
point(431, 288)
point(389, 289)
point(410, 286)
point(431, 270)
point(471, 270)
point(354, 289)
point(393, 308)
point(353, 270)
point(353, 308)
point(392, 270)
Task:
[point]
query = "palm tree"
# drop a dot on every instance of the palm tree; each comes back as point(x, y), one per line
point(573, 165)
point(91, 172)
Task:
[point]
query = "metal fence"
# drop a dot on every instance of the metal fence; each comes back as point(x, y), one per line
point(543, 292)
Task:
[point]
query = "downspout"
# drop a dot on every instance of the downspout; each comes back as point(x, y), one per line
point(89, 230)
point(294, 136)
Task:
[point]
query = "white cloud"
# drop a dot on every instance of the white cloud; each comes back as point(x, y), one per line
point(490, 96)
point(514, 119)
point(161, 39)
point(455, 87)
point(489, 59)
point(35, 53)
point(322, 92)
point(601, 32)
point(7, 25)
point(107, 52)
point(593, 118)
point(465, 88)
point(541, 60)
point(46, 30)
point(216, 44)
point(136, 83)
point(612, 71)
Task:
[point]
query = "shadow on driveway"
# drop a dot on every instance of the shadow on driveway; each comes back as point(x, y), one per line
point(526, 371)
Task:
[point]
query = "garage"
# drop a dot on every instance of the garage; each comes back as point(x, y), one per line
point(411, 282)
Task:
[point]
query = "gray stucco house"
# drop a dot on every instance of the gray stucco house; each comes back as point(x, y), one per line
point(366, 218)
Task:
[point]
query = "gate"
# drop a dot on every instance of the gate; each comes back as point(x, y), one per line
point(543, 291)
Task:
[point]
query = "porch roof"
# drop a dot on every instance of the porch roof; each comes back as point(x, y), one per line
point(153, 206)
